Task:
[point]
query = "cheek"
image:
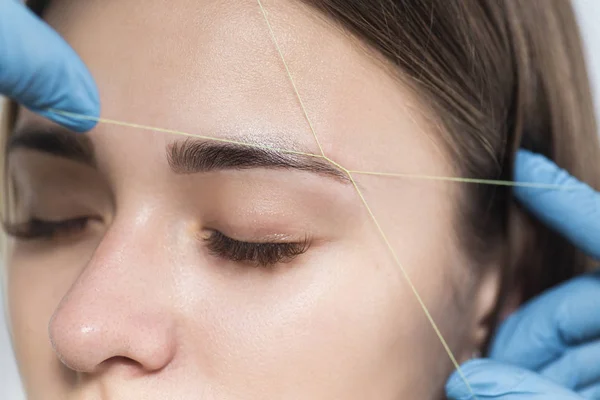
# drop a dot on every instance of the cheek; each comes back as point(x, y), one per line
point(320, 325)
point(417, 217)
point(341, 322)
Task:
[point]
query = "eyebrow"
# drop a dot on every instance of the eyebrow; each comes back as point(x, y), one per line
point(184, 157)
point(55, 141)
point(193, 156)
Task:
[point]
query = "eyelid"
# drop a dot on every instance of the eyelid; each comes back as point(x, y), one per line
point(263, 254)
point(40, 229)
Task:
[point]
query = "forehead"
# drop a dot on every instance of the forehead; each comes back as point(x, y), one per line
point(210, 67)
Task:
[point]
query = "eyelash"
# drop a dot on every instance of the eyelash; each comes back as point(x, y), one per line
point(40, 229)
point(220, 245)
point(258, 254)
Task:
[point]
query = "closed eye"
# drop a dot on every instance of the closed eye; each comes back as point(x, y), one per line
point(37, 228)
point(258, 254)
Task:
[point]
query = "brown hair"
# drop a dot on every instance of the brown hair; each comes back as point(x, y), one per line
point(498, 74)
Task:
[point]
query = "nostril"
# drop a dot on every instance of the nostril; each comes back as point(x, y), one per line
point(124, 365)
point(121, 360)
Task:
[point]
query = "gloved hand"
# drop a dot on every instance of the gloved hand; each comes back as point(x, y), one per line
point(496, 380)
point(39, 70)
point(550, 348)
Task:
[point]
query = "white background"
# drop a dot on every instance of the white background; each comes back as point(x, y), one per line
point(589, 14)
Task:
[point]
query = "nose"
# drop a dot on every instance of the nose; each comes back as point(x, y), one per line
point(117, 311)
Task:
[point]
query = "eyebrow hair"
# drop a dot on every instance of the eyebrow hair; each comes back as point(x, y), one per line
point(193, 156)
point(184, 157)
point(54, 141)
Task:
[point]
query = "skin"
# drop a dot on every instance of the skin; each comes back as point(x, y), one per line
point(135, 306)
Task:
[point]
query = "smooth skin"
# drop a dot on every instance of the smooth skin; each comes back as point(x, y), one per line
point(135, 305)
point(180, 340)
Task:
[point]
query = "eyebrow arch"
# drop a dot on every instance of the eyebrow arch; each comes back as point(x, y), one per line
point(185, 157)
point(194, 156)
point(54, 141)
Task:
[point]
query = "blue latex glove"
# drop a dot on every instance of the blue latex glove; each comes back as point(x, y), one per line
point(39, 70)
point(495, 380)
point(550, 348)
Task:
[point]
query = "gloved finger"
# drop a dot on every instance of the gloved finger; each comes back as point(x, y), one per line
point(40, 70)
point(493, 380)
point(579, 367)
point(574, 213)
point(546, 327)
point(591, 392)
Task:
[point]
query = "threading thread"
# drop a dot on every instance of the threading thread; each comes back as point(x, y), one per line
point(350, 174)
point(456, 179)
point(181, 133)
point(496, 182)
point(289, 74)
point(355, 185)
point(368, 208)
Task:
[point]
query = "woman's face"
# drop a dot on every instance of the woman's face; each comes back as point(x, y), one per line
point(149, 265)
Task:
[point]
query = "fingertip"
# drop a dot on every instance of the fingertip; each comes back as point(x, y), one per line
point(42, 72)
point(529, 158)
point(535, 168)
point(523, 155)
point(484, 377)
point(77, 105)
point(459, 385)
point(78, 109)
point(560, 200)
point(457, 389)
point(74, 122)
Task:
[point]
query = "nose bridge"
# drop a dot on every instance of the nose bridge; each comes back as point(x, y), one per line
point(119, 306)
